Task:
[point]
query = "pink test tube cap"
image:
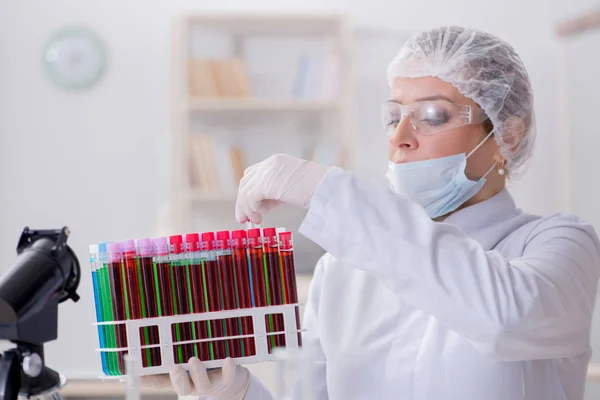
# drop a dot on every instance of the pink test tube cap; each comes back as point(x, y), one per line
point(160, 245)
point(114, 252)
point(127, 245)
point(145, 247)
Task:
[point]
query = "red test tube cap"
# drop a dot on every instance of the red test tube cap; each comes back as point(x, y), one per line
point(285, 238)
point(209, 239)
point(175, 239)
point(238, 234)
point(192, 242)
point(223, 235)
point(208, 236)
point(192, 238)
point(176, 242)
point(267, 232)
point(254, 233)
point(223, 240)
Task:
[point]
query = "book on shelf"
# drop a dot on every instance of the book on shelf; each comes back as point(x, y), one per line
point(237, 163)
point(214, 164)
point(210, 78)
point(202, 164)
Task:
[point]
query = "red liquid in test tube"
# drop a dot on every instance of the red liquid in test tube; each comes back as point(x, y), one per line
point(213, 292)
point(192, 246)
point(132, 277)
point(118, 299)
point(286, 254)
point(134, 298)
point(146, 254)
point(182, 299)
point(166, 285)
point(256, 260)
point(275, 287)
point(225, 261)
point(243, 287)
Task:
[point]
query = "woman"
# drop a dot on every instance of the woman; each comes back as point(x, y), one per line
point(443, 289)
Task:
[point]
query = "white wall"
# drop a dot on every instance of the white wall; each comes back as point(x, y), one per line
point(55, 147)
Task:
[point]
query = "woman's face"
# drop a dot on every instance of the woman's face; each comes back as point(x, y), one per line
point(407, 145)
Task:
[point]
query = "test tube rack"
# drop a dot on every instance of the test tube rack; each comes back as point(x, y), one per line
point(260, 335)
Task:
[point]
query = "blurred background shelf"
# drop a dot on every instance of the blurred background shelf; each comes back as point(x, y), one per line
point(245, 87)
point(262, 104)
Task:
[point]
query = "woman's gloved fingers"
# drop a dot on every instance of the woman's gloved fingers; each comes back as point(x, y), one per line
point(243, 212)
point(248, 211)
point(240, 215)
point(181, 381)
point(228, 370)
point(199, 376)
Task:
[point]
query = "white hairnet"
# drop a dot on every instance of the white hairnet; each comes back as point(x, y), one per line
point(483, 68)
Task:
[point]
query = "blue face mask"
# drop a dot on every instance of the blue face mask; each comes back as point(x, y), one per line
point(439, 185)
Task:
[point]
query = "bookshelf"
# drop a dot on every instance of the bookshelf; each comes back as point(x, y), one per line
point(246, 86)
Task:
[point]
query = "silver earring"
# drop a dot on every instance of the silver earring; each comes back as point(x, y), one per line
point(501, 171)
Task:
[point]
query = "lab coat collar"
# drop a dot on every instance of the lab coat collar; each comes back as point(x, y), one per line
point(498, 208)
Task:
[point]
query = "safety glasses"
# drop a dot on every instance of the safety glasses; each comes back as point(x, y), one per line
point(430, 117)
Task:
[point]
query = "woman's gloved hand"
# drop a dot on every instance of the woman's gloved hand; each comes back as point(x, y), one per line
point(227, 383)
point(280, 179)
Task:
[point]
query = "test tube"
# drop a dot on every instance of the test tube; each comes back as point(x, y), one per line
point(104, 282)
point(288, 272)
point(97, 302)
point(132, 278)
point(225, 261)
point(259, 276)
point(243, 288)
point(257, 271)
point(213, 286)
point(192, 246)
point(150, 299)
point(182, 299)
point(119, 296)
point(273, 271)
point(165, 281)
point(132, 282)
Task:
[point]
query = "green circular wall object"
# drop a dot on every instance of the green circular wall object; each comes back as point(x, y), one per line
point(75, 59)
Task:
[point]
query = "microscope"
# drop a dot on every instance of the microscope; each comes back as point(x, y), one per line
point(45, 273)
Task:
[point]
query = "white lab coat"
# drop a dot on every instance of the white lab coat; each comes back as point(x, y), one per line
point(492, 304)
